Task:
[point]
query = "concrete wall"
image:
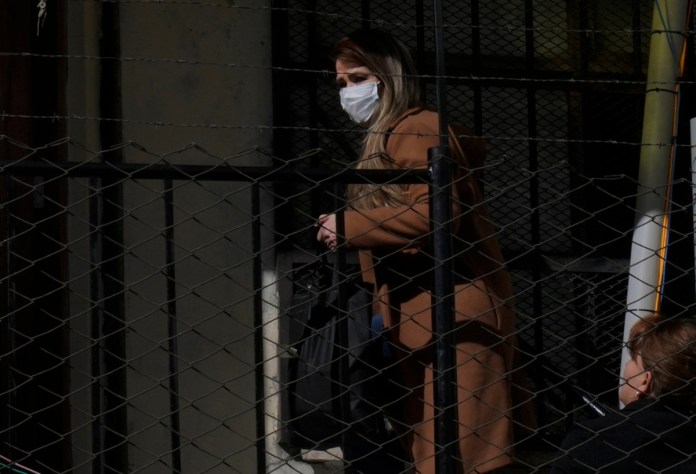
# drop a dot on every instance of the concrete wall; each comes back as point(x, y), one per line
point(191, 74)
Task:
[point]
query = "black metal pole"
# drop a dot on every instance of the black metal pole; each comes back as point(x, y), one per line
point(172, 326)
point(95, 330)
point(443, 290)
point(114, 369)
point(440, 73)
point(259, 339)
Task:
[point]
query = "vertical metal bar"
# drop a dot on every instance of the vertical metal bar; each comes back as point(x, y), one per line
point(365, 13)
point(442, 313)
point(532, 148)
point(476, 33)
point(476, 61)
point(172, 327)
point(259, 378)
point(312, 85)
point(584, 8)
point(115, 396)
point(440, 73)
point(637, 37)
point(444, 369)
point(692, 136)
point(420, 39)
point(12, 436)
point(95, 329)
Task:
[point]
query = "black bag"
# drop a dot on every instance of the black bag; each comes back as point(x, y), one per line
point(335, 358)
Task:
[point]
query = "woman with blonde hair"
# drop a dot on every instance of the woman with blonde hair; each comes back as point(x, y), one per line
point(390, 226)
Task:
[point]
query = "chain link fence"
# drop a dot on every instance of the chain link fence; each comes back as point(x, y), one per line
point(153, 254)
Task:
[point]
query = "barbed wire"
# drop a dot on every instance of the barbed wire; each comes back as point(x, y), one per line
point(329, 74)
point(380, 22)
point(140, 291)
point(522, 139)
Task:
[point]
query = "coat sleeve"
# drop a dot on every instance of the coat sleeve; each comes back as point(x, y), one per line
point(405, 226)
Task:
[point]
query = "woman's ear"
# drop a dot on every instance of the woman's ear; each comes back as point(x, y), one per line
point(645, 385)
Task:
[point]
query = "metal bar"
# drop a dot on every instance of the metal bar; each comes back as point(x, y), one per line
point(115, 362)
point(440, 80)
point(95, 331)
point(442, 313)
point(10, 438)
point(172, 327)
point(210, 173)
point(533, 160)
point(692, 135)
point(115, 394)
point(477, 62)
point(444, 376)
point(365, 13)
point(259, 376)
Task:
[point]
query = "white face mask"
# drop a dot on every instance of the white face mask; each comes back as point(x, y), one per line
point(360, 102)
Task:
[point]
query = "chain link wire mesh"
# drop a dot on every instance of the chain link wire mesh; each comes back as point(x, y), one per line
point(152, 256)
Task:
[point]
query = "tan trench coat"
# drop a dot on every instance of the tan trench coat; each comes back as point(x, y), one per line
point(394, 255)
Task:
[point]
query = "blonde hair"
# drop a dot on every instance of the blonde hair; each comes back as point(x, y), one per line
point(389, 60)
